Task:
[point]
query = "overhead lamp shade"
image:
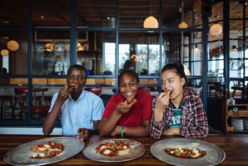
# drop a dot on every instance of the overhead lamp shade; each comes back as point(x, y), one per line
point(150, 22)
point(5, 52)
point(215, 29)
point(183, 25)
point(12, 45)
point(197, 5)
point(186, 70)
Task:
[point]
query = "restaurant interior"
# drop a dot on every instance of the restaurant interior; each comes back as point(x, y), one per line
point(41, 39)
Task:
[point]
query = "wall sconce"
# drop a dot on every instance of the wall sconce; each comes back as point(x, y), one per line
point(12, 45)
point(234, 48)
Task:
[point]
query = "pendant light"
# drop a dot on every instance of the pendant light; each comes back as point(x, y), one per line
point(150, 22)
point(5, 52)
point(183, 24)
point(215, 29)
point(13, 45)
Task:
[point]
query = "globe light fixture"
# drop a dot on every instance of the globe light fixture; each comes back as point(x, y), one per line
point(12, 45)
point(5, 52)
point(215, 29)
point(150, 22)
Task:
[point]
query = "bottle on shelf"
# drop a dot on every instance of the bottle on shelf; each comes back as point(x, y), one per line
point(231, 100)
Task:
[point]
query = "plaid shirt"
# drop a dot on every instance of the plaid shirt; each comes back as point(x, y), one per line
point(194, 119)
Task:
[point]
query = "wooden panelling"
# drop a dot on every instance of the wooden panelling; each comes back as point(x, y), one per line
point(90, 81)
point(58, 81)
point(143, 81)
point(100, 81)
point(4, 80)
point(152, 82)
point(39, 80)
point(18, 81)
point(109, 81)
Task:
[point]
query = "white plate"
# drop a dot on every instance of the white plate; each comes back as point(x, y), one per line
point(214, 154)
point(20, 154)
point(137, 150)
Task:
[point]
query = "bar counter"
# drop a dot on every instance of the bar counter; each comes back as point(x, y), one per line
point(235, 147)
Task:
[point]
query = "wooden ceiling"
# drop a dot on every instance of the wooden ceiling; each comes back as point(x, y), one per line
point(102, 13)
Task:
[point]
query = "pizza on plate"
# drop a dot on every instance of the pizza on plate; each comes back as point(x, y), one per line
point(185, 152)
point(112, 148)
point(47, 150)
point(129, 101)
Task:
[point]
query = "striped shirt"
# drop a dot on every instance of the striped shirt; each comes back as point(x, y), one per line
point(194, 119)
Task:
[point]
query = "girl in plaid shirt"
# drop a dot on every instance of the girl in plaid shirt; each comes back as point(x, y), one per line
point(175, 111)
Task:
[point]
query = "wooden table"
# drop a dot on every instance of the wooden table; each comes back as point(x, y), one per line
point(235, 147)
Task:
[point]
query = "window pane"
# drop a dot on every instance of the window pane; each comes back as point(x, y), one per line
point(139, 52)
point(96, 13)
point(236, 9)
point(51, 52)
point(14, 51)
point(97, 52)
point(51, 13)
point(14, 14)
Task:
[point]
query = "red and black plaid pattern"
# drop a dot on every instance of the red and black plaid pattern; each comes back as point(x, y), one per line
point(194, 119)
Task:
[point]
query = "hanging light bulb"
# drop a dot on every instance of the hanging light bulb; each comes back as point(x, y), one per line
point(183, 24)
point(215, 29)
point(12, 45)
point(150, 22)
point(196, 47)
point(5, 52)
point(234, 48)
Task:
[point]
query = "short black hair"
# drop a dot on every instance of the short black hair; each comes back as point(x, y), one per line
point(128, 72)
point(178, 67)
point(78, 67)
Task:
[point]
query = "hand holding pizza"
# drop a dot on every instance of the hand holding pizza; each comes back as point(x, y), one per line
point(124, 107)
point(64, 93)
point(162, 101)
point(85, 132)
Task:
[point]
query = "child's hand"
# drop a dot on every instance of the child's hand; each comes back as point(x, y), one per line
point(116, 131)
point(85, 132)
point(64, 93)
point(162, 101)
point(123, 107)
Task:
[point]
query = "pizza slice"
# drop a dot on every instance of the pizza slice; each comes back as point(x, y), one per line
point(132, 100)
point(74, 85)
point(185, 152)
point(47, 150)
point(112, 148)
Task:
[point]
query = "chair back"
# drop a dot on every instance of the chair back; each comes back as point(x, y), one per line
point(96, 91)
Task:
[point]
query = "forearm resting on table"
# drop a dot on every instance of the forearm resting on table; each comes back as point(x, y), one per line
point(108, 125)
point(137, 131)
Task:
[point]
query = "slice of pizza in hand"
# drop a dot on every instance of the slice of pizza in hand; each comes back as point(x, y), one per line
point(74, 85)
point(132, 100)
point(185, 152)
point(47, 150)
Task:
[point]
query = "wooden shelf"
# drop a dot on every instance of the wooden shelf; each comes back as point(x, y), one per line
point(227, 114)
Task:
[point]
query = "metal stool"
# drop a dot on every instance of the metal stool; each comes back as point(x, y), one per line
point(3, 99)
